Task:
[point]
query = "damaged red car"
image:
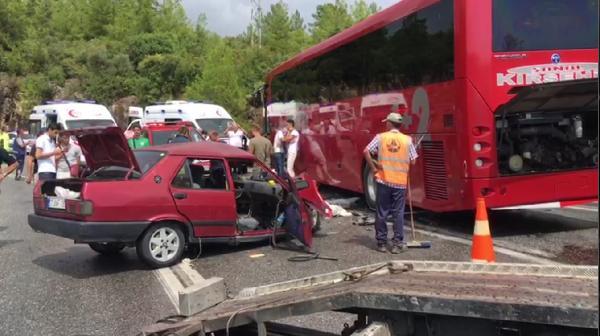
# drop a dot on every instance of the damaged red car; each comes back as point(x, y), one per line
point(161, 199)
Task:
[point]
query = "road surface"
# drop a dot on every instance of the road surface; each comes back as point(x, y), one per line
point(48, 286)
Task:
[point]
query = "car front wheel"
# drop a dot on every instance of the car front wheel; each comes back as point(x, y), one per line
point(162, 245)
point(107, 248)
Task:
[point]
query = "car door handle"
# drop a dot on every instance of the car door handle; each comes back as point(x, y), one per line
point(180, 196)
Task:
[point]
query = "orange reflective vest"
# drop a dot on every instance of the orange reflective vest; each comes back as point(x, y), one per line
point(393, 157)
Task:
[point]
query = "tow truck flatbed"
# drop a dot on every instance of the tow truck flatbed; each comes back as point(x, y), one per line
point(412, 297)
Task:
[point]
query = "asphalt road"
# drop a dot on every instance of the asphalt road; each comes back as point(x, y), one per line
point(566, 236)
point(49, 286)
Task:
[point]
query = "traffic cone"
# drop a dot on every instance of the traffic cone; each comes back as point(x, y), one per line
point(482, 249)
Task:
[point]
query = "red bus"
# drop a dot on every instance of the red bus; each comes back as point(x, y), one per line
point(500, 95)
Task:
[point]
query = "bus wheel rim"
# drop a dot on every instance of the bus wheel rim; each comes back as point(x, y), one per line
point(371, 185)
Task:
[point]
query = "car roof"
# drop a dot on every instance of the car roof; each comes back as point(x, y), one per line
point(203, 148)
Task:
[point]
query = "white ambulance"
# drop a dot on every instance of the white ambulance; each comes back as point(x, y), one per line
point(70, 115)
point(204, 116)
point(134, 113)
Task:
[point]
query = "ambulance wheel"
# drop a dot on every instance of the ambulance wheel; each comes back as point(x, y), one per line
point(107, 248)
point(369, 187)
point(162, 245)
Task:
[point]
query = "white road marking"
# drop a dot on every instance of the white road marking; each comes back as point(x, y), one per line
point(582, 208)
point(498, 249)
point(527, 255)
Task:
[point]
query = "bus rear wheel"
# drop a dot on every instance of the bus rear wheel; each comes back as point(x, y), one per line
point(369, 187)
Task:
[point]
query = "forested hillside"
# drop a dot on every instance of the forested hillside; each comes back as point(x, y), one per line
point(142, 51)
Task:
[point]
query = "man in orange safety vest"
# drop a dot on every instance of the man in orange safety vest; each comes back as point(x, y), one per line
point(395, 153)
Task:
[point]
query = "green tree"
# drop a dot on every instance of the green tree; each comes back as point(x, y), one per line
point(148, 44)
point(220, 81)
point(99, 16)
point(330, 19)
point(361, 10)
point(34, 89)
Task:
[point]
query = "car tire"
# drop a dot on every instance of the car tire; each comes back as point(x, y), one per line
point(107, 248)
point(161, 245)
point(369, 187)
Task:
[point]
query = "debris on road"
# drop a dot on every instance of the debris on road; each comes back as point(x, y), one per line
point(257, 255)
point(344, 202)
point(338, 211)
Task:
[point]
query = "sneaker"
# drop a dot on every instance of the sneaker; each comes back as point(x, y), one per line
point(381, 248)
point(398, 248)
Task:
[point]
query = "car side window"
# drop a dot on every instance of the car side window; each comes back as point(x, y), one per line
point(182, 179)
point(202, 174)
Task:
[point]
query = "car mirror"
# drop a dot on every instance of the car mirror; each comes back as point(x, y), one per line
point(301, 184)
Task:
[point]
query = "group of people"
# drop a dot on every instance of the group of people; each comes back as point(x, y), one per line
point(51, 156)
point(54, 156)
point(284, 148)
point(19, 158)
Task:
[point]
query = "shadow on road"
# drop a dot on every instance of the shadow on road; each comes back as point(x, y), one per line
point(9, 241)
point(507, 223)
point(82, 263)
point(217, 249)
point(503, 223)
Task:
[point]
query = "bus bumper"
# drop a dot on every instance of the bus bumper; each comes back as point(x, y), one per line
point(537, 191)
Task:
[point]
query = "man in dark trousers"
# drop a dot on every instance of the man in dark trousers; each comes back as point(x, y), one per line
point(395, 153)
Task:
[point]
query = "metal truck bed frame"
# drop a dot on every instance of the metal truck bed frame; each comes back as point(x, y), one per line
point(510, 295)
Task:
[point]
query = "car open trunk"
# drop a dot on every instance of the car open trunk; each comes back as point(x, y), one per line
point(48, 188)
point(549, 128)
point(108, 157)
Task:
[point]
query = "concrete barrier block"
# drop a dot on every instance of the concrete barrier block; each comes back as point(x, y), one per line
point(202, 295)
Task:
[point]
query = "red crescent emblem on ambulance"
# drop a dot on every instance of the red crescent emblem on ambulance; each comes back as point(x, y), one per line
point(73, 114)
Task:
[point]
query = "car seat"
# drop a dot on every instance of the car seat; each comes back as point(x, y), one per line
point(197, 172)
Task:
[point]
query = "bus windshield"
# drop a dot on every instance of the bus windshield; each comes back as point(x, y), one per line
point(544, 25)
point(219, 125)
point(72, 124)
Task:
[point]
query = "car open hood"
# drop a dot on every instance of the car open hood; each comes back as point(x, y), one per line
point(559, 96)
point(105, 147)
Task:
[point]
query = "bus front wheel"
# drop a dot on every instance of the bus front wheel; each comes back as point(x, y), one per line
point(369, 187)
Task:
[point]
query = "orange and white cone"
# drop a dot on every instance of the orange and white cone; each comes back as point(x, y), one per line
point(482, 250)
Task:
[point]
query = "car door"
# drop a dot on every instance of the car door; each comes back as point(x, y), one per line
point(202, 194)
point(298, 222)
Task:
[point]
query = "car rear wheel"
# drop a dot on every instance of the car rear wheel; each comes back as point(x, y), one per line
point(107, 248)
point(369, 187)
point(162, 245)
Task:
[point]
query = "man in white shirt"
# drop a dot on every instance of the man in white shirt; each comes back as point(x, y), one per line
point(46, 152)
point(68, 162)
point(279, 151)
point(235, 135)
point(291, 140)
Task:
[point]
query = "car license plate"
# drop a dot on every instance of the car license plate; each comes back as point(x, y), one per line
point(56, 203)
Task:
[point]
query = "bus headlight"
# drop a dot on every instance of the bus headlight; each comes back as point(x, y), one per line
point(515, 163)
point(477, 147)
point(479, 163)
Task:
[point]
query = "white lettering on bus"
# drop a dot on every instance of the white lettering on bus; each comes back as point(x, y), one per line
point(546, 73)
